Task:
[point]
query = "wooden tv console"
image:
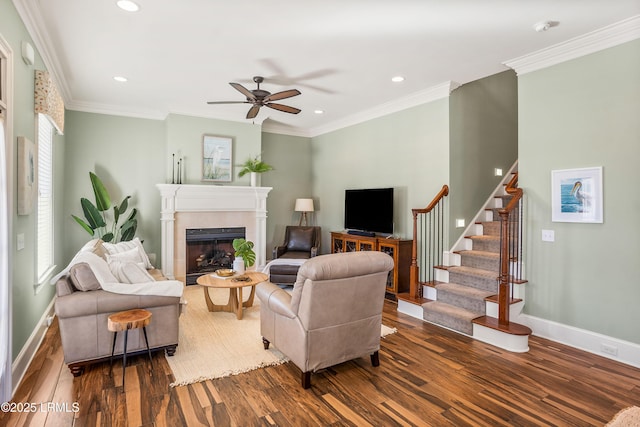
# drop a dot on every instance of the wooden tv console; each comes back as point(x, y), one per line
point(399, 249)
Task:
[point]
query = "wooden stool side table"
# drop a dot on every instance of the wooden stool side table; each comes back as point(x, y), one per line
point(123, 321)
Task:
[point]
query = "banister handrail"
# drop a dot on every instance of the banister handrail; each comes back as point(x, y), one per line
point(443, 193)
point(415, 290)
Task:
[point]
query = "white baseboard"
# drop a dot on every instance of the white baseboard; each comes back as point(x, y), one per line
point(592, 342)
point(26, 355)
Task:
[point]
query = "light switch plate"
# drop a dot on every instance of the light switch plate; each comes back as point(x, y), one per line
point(20, 242)
point(548, 236)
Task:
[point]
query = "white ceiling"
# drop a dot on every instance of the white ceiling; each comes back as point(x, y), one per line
point(341, 54)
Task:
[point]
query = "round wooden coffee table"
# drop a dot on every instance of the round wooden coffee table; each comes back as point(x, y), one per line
point(234, 284)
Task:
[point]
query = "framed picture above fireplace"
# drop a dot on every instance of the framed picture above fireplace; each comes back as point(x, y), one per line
point(217, 158)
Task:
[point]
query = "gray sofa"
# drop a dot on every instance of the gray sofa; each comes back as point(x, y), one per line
point(333, 314)
point(82, 309)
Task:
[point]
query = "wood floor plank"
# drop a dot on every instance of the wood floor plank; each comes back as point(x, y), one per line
point(427, 376)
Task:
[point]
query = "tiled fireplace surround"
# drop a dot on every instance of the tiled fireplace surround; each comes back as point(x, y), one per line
point(209, 206)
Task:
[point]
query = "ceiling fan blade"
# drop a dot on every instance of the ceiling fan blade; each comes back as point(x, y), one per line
point(285, 108)
point(243, 90)
point(229, 102)
point(282, 95)
point(253, 112)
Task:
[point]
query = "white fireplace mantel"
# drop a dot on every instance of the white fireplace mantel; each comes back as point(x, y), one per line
point(218, 206)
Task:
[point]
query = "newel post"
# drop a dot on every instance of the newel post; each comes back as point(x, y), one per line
point(414, 290)
point(504, 294)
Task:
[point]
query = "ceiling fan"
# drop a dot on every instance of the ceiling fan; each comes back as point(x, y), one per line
point(262, 98)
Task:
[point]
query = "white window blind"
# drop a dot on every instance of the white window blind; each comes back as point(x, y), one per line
point(45, 199)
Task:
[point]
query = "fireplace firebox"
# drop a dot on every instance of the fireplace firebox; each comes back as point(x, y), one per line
point(209, 249)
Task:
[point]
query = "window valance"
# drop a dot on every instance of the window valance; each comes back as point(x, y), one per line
point(48, 100)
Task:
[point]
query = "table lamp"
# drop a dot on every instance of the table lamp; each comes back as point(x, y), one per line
point(304, 206)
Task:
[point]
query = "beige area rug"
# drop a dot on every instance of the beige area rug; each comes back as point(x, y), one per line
point(626, 418)
point(216, 345)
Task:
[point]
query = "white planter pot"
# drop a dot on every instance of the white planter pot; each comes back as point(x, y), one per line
point(254, 179)
point(238, 265)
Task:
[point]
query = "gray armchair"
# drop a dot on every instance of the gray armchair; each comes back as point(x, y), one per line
point(334, 313)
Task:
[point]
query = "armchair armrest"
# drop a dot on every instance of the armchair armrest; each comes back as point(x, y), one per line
point(278, 251)
point(275, 299)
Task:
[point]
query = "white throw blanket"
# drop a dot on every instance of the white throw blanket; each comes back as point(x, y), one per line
point(108, 282)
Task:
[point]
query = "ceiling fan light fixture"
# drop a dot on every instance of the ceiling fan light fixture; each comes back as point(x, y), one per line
point(318, 111)
point(128, 5)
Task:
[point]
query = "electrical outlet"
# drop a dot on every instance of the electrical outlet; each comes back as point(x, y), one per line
point(609, 349)
point(548, 236)
point(20, 242)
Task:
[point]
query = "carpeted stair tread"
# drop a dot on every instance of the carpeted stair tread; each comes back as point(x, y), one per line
point(486, 280)
point(491, 228)
point(486, 243)
point(480, 259)
point(456, 318)
point(466, 297)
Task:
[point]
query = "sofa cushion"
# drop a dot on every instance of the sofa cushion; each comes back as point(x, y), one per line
point(300, 239)
point(82, 278)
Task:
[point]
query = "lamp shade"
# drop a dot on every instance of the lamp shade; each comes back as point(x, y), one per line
point(304, 205)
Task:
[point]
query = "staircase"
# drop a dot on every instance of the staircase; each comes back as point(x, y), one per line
point(465, 292)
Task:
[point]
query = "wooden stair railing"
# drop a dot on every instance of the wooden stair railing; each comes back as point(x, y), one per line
point(510, 248)
point(432, 241)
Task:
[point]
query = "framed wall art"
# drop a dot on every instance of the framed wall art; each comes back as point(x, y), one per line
point(217, 162)
point(576, 195)
point(26, 175)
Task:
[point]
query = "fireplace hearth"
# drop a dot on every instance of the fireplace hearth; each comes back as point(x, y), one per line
point(209, 249)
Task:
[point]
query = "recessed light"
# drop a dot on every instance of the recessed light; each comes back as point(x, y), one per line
point(397, 79)
point(120, 79)
point(318, 111)
point(128, 5)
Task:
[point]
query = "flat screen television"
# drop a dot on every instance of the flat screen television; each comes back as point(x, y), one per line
point(369, 210)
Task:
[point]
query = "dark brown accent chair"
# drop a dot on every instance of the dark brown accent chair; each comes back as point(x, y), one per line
point(300, 242)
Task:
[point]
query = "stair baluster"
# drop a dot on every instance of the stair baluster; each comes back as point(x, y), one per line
point(430, 234)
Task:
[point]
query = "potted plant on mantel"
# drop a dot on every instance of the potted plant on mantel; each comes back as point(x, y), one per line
point(245, 257)
point(254, 166)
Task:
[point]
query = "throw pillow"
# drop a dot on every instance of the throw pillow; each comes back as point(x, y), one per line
point(83, 278)
point(95, 246)
point(132, 255)
point(115, 248)
point(300, 239)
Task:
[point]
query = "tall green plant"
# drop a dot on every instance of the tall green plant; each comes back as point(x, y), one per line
point(96, 220)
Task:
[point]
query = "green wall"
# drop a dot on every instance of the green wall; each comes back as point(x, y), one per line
point(484, 136)
point(407, 150)
point(28, 305)
point(128, 154)
point(291, 179)
point(184, 139)
point(584, 113)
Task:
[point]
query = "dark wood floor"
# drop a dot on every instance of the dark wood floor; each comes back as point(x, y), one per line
point(427, 377)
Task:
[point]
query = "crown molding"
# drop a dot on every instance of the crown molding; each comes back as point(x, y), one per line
point(285, 130)
point(30, 15)
point(431, 94)
point(113, 110)
point(604, 38)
